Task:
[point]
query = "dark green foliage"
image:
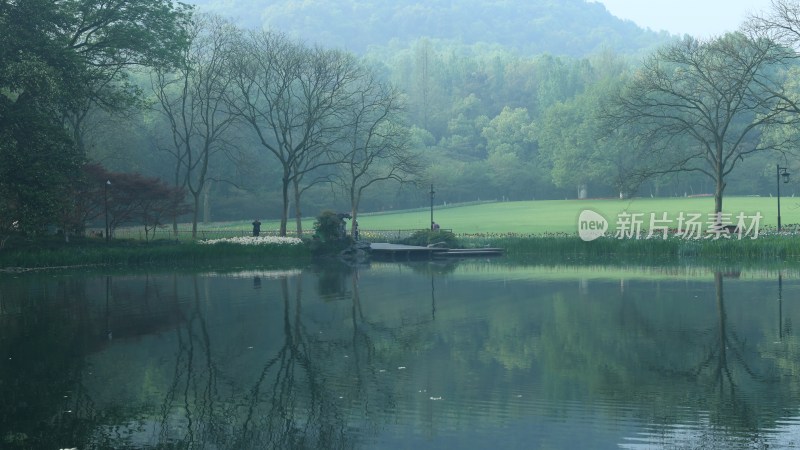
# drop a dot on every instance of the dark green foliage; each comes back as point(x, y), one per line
point(440, 238)
point(38, 164)
point(56, 59)
point(329, 227)
point(53, 252)
point(765, 248)
point(71, 53)
point(330, 233)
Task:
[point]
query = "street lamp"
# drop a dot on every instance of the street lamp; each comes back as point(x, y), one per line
point(105, 205)
point(780, 172)
point(432, 192)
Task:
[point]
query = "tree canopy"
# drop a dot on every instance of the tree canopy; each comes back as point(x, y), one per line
point(56, 59)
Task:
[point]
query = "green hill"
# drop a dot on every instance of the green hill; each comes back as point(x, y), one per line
point(559, 27)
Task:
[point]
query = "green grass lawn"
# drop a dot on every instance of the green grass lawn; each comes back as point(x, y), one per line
point(561, 216)
point(478, 225)
point(549, 216)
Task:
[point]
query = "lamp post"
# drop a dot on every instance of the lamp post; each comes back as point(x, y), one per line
point(105, 205)
point(780, 172)
point(432, 192)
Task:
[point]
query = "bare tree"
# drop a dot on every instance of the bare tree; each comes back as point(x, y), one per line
point(316, 163)
point(781, 23)
point(193, 98)
point(291, 96)
point(376, 147)
point(702, 106)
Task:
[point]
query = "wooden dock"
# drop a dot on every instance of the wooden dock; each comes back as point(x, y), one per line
point(399, 251)
point(484, 251)
point(395, 251)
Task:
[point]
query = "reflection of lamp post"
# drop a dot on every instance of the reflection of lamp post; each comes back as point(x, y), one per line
point(105, 204)
point(108, 312)
point(780, 172)
point(432, 193)
point(780, 307)
point(433, 300)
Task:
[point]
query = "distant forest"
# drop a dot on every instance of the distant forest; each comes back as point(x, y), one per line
point(575, 28)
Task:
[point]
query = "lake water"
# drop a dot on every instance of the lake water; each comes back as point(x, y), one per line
point(469, 354)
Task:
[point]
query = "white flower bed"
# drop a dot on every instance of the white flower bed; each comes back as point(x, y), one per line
point(252, 240)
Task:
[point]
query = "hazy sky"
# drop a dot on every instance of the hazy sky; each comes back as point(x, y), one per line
point(699, 18)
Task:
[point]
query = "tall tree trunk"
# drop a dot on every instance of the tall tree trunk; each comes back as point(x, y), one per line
point(177, 184)
point(195, 212)
point(722, 366)
point(285, 209)
point(207, 202)
point(583, 191)
point(719, 188)
point(719, 179)
point(355, 199)
point(298, 215)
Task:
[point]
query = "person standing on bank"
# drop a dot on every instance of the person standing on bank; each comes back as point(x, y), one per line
point(256, 228)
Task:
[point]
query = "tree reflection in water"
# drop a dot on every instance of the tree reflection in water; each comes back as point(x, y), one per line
point(736, 378)
point(288, 404)
point(730, 371)
point(299, 359)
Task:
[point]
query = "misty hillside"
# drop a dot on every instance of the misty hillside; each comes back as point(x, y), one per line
point(559, 27)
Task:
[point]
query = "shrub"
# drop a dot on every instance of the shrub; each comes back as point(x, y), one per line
point(329, 233)
point(430, 237)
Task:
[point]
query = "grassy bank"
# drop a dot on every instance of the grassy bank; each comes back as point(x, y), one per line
point(538, 229)
point(49, 253)
point(765, 248)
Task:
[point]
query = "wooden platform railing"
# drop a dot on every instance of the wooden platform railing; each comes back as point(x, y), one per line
point(166, 233)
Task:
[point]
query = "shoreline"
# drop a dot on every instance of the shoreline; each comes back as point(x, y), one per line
point(50, 255)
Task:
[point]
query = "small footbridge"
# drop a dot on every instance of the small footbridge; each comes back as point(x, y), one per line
point(400, 251)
